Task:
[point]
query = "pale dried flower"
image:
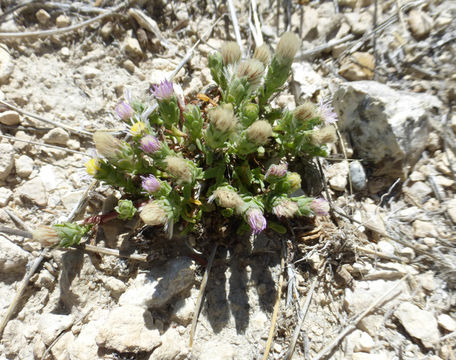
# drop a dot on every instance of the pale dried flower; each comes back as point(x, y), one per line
point(320, 206)
point(150, 144)
point(124, 111)
point(305, 112)
point(259, 132)
point(179, 168)
point(231, 52)
point(263, 54)
point(286, 208)
point(252, 69)
point(288, 46)
point(223, 119)
point(226, 198)
point(106, 144)
point(46, 235)
point(153, 214)
point(325, 135)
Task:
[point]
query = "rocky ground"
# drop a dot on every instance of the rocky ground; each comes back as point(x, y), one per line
point(379, 273)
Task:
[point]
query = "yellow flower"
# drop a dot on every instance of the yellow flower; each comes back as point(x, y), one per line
point(137, 128)
point(92, 167)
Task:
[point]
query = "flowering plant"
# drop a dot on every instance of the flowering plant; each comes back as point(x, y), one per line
point(232, 153)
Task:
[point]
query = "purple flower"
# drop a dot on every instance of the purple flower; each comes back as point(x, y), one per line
point(277, 170)
point(256, 220)
point(150, 144)
point(163, 91)
point(327, 112)
point(150, 184)
point(124, 111)
point(320, 206)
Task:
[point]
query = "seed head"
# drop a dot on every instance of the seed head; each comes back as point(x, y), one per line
point(305, 112)
point(288, 46)
point(277, 170)
point(325, 135)
point(154, 214)
point(46, 235)
point(285, 208)
point(150, 184)
point(252, 69)
point(223, 119)
point(92, 167)
point(150, 144)
point(320, 207)
point(179, 168)
point(163, 91)
point(263, 54)
point(124, 111)
point(106, 144)
point(259, 132)
point(226, 198)
point(231, 52)
point(256, 220)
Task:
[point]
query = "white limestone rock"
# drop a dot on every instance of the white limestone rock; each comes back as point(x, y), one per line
point(56, 136)
point(6, 160)
point(12, 257)
point(5, 196)
point(51, 325)
point(447, 322)
point(10, 118)
point(24, 166)
point(6, 65)
point(387, 127)
point(34, 191)
point(174, 347)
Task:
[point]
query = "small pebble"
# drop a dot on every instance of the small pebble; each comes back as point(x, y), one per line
point(42, 16)
point(10, 118)
point(62, 21)
point(447, 322)
point(358, 175)
point(24, 166)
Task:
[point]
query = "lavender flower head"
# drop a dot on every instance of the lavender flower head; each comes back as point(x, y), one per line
point(150, 144)
point(124, 111)
point(163, 91)
point(150, 184)
point(320, 207)
point(277, 170)
point(256, 220)
point(327, 112)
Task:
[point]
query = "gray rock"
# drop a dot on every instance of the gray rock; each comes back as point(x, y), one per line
point(12, 257)
point(358, 175)
point(418, 323)
point(156, 289)
point(33, 191)
point(129, 329)
point(56, 136)
point(51, 325)
point(387, 127)
point(6, 160)
point(5, 196)
point(9, 117)
point(6, 65)
point(24, 166)
point(183, 308)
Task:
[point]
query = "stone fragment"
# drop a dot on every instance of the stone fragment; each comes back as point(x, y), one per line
point(129, 329)
point(423, 229)
point(215, 350)
point(366, 356)
point(183, 308)
point(42, 16)
point(418, 191)
point(132, 47)
point(22, 145)
point(358, 175)
point(418, 323)
point(84, 347)
point(337, 175)
point(60, 349)
point(451, 209)
point(359, 66)
point(12, 257)
point(10, 118)
point(391, 127)
point(359, 22)
point(427, 281)
point(360, 341)
point(156, 289)
point(386, 247)
point(173, 347)
point(6, 65)
point(90, 72)
point(6, 160)
point(193, 88)
point(106, 30)
point(306, 81)
point(56, 136)
point(115, 286)
point(447, 322)
point(420, 23)
point(51, 325)
point(62, 21)
point(129, 66)
point(5, 196)
point(34, 191)
point(24, 166)
point(373, 216)
point(70, 199)
point(372, 324)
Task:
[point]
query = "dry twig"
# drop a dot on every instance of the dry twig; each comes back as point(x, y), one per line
point(234, 20)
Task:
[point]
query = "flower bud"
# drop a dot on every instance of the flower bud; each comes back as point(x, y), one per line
point(226, 197)
point(92, 166)
point(277, 171)
point(259, 132)
point(262, 54)
point(320, 207)
point(223, 119)
point(251, 69)
point(163, 91)
point(231, 52)
point(150, 184)
point(305, 112)
point(154, 214)
point(124, 111)
point(150, 144)
point(106, 145)
point(125, 209)
point(288, 46)
point(179, 168)
point(285, 208)
point(46, 235)
point(256, 220)
point(325, 135)
point(294, 182)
